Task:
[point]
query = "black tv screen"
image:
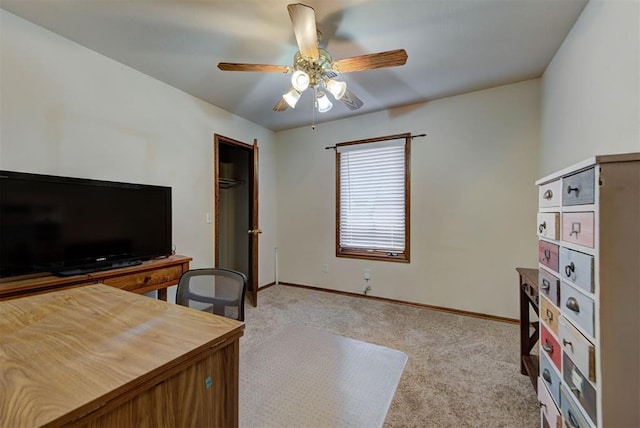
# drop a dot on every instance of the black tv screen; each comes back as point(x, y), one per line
point(69, 225)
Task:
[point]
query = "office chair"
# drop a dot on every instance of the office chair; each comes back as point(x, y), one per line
point(216, 290)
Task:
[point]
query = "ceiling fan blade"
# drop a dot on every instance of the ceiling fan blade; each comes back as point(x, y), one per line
point(351, 101)
point(303, 19)
point(267, 68)
point(370, 61)
point(281, 105)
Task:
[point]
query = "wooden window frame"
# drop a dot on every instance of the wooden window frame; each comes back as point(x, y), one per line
point(369, 254)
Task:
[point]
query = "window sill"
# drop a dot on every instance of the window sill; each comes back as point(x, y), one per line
point(367, 255)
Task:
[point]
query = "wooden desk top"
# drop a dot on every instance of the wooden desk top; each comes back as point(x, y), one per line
point(68, 352)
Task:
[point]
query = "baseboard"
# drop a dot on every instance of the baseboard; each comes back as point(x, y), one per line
point(266, 286)
point(403, 302)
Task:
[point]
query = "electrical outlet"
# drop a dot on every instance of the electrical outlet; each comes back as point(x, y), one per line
point(325, 268)
point(367, 274)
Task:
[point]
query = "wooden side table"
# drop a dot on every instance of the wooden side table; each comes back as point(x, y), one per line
point(529, 364)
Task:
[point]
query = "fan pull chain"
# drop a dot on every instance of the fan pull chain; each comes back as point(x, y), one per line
point(313, 109)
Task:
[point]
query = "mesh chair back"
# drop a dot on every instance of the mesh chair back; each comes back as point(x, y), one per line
point(216, 290)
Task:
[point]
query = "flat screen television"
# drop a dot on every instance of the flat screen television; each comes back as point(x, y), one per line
point(69, 226)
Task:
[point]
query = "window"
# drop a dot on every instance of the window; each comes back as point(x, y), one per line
point(372, 213)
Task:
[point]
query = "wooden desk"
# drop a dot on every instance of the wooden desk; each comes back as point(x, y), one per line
point(529, 364)
point(99, 356)
point(148, 276)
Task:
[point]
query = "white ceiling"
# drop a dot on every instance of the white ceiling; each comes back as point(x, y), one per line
point(454, 46)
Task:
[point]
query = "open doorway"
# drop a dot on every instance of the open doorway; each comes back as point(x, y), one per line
point(236, 208)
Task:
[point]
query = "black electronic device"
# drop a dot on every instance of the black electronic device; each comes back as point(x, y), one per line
point(69, 226)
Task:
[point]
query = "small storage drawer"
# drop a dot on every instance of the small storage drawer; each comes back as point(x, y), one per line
point(572, 415)
point(549, 286)
point(549, 195)
point(583, 391)
point(577, 307)
point(141, 280)
point(548, 254)
point(550, 347)
point(578, 348)
point(549, 314)
point(547, 407)
point(577, 228)
point(550, 378)
point(578, 189)
point(577, 267)
point(549, 225)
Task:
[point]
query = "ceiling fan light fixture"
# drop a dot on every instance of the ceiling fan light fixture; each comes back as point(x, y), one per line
point(300, 80)
point(324, 105)
point(337, 88)
point(292, 97)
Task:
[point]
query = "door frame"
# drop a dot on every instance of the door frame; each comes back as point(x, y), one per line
point(252, 275)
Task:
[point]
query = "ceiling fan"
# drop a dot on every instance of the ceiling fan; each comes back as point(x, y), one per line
point(313, 67)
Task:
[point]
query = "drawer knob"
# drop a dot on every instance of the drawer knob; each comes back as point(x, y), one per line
point(547, 254)
point(576, 391)
point(565, 342)
point(545, 284)
point(572, 419)
point(572, 304)
point(546, 376)
point(575, 228)
point(548, 348)
point(569, 269)
point(147, 279)
point(542, 405)
point(548, 194)
point(542, 226)
point(573, 189)
point(549, 316)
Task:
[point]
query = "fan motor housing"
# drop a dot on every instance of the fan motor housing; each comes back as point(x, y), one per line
point(315, 68)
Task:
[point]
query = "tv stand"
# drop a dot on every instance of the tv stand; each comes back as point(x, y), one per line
point(144, 277)
point(97, 268)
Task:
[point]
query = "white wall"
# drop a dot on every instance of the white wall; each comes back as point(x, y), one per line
point(590, 102)
point(473, 201)
point(66, 110)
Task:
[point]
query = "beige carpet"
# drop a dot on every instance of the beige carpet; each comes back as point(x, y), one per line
point(461, 371)
point(305, 377)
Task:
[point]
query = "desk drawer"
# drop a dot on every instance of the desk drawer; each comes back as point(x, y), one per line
point(144, 280)
point(548, 254)
point(577, 228)
point(550, 378)
point(550, 347)
point(578, 348)
point(547, 407)
point(549, 314)
point(583, 391)
point(549, 225)
point(577, 307)
point(577, 267)
point(549, 286)
point(571, 414)
point(578, 189)
point(550, 194)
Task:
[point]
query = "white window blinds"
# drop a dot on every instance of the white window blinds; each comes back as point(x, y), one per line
point(372, 196)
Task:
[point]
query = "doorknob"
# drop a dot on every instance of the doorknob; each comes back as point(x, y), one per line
point(254, 231)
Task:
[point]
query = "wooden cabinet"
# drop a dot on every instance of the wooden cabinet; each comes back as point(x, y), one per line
point(590, 345)
point(96, 356)
point(148, 276)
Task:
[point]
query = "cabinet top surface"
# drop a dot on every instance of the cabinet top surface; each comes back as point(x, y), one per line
point(83, 346)
point(14, 285)
point(623, 157)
